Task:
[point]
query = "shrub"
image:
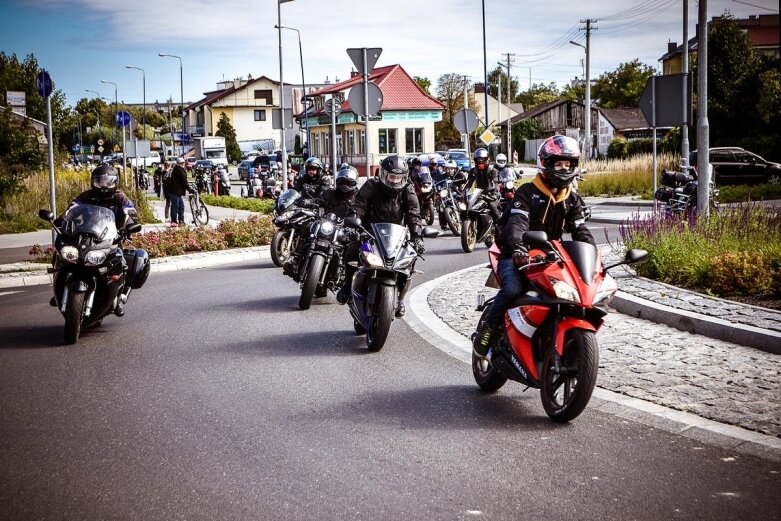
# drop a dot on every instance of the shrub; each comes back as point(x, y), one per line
point(255, 231)
point(618, 149)
point(740, 273)
point(253, 205)
point(741, 193)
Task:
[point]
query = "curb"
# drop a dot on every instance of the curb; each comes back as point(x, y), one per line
point(191, 261)
point(440, 335)
point(712, 327)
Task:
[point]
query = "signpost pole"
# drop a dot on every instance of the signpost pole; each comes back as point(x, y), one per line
point(124, 156)
point(653, 125)
point(466, 126)
point(703, 127)
point(52, 186)
point(333, 133)
point(366, 110)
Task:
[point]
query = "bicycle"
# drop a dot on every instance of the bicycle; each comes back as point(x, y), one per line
point(198, 208)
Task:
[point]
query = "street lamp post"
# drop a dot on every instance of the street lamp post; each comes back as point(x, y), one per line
point(143, 77)
point(282, 92)
point(99, 97)
point(303, 81)
point(181, 93)
point(116, 107)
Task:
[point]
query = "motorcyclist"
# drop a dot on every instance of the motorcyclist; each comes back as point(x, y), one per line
point(414, 166)
point(339, 199)
point(437, 173)
point(388, 198)
point(546, 204)
point(103, 192)
point(483, 175)
point(501, 161)
point(313, 179)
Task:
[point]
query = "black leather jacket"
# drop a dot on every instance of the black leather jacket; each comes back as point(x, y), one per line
point(376, 203)
point(484, 179)
point(337, 202)
point(309, 187)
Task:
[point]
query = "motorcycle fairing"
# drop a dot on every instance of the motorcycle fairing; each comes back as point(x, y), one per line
point(389, 239)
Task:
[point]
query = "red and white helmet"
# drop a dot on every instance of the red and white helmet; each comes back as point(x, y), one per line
point(553, 149)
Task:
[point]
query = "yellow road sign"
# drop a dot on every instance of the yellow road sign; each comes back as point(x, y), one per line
point(487, 137)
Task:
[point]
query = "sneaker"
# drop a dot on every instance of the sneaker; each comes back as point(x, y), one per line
point(343, 295)
point(119, 309)
point(484, 340)
point(400, 310)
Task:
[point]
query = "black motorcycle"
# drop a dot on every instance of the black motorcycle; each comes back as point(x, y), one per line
point(387, 261)
point(450, 202)
point(321, 268)
point(91, 280)
point(477, 224)
point(424, 189)
point(678, 194)
point(203, 180)
point(293, 216)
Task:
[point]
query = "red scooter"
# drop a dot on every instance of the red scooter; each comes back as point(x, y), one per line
point(549, 339)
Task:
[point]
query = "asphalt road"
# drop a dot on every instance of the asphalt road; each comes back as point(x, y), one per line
point(216, 398)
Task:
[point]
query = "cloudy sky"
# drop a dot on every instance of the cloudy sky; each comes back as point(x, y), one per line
point(82, 42)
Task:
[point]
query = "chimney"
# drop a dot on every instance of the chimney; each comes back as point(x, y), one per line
point(336, 79)
point(353, 73)
point(671, 46)
point(326, 81)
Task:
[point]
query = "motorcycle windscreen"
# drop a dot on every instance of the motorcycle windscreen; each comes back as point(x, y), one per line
point(287, 199)
point(584, 256)
point(424, 176)
point(94, 220)
point(474, 199)
point(507, 176)
point(390, 238)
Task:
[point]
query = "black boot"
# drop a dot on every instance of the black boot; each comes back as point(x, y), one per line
point(400, 309)
point(485, 339)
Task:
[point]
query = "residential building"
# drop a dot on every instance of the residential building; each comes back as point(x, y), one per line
point(564, 117)
point(404, 125)
point(761, 29)
point(628, 124)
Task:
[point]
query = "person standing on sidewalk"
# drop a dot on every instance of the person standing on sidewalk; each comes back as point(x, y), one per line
point(177, 189)
point(546, 204)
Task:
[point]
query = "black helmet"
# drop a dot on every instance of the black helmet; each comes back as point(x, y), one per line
point(104, 178)
point(394, 173)
point(481, 159)
point(313, 164)
point(553, 149)
point(414, 161)
point(346, 179)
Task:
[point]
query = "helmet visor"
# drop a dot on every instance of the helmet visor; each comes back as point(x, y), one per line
point(104, 181)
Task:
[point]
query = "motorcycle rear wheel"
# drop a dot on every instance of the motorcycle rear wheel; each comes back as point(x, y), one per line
point(280, 249)
point(453, 222)
point(313, 272)
point(565, 394)
point(73, 315)
point(380, 323)
point(428, 213)
point(468, 235)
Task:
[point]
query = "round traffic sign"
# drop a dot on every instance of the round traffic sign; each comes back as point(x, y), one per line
point(333, 107)
point(122, 118)
point(100, 141)
point(43, 83)
point(357, 99)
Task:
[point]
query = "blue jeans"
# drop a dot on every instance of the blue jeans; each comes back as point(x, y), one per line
point(177, 209)
point(513, 284)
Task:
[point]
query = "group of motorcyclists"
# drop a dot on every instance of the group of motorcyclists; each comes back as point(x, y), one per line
point(547, 204)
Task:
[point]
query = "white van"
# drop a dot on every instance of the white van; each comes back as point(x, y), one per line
point(152, 161)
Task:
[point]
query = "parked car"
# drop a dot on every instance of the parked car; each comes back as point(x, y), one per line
point(244, 167)
point(189, 163)
point(735, 165)
point(206, 164)
point(460, 156)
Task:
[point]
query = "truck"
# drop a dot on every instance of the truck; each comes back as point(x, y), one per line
point(212, 148)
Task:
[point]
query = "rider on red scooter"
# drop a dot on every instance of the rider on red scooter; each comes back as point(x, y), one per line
point(547, 204)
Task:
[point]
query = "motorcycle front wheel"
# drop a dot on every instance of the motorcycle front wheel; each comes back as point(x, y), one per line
point(73, 314)
point(565, 393)
point(453, 221)
point(428, 213)
point(280, 249)
point(468, 235)
point(487, 377)
point(380, 323)
point(313, 272)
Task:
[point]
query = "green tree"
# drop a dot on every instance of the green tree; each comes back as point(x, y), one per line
point(538, 94)
point(450, 91)
point(226, 130)
point(523, 130)
point(497, 75)
point(423, 83)
point(622, 87)
point(575, 90)
point(20, 154)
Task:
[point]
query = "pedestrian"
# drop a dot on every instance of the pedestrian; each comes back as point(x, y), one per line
point(177, 188)
point(158, 177)
point(166, 194)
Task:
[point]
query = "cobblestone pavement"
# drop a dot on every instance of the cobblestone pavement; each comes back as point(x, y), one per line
point(717, 380)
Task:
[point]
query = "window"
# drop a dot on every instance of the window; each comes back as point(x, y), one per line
point(266, 95)
point(388, 141)
point(260, 115)
point(316, 145)
point(362, 143)
point(351, 142)
point(414, 140)
point(326, 143)
point(722, 156)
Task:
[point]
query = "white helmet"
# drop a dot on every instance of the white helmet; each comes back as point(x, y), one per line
point(501, 160)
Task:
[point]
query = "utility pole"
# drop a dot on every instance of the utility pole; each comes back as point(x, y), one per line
point(685, 71)
point(510, 59)
point(587, 116)
point(703, 128)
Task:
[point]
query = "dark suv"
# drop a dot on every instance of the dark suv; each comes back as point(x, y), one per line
point(735, 165)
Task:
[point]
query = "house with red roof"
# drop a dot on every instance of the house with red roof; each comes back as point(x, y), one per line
point(404, 125)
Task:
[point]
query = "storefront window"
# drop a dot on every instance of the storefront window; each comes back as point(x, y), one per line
point(351, 142)
point(387, 138)
point(414, 140)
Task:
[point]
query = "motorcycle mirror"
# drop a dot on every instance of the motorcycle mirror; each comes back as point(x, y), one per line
point(352, 222)
point(536, 237)
point(635, 256)
point(429, 232)
point(46, 215)
point(133, 228)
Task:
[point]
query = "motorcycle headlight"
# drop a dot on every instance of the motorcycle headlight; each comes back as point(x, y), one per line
point(95, 257)
point(443, 193)
point(69, 253)
point(606, 290)
point(565, 291)
point(326, 228)
point(461, 205)
point(404, 263)
point(425, 189)
point(372, 260)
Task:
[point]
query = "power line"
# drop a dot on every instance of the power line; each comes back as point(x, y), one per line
point(757, 6)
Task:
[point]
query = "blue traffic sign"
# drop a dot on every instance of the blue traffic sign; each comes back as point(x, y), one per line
point(44, 84)
point(122, 118)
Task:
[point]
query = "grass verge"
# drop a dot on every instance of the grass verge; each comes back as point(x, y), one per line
point(265, 206)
